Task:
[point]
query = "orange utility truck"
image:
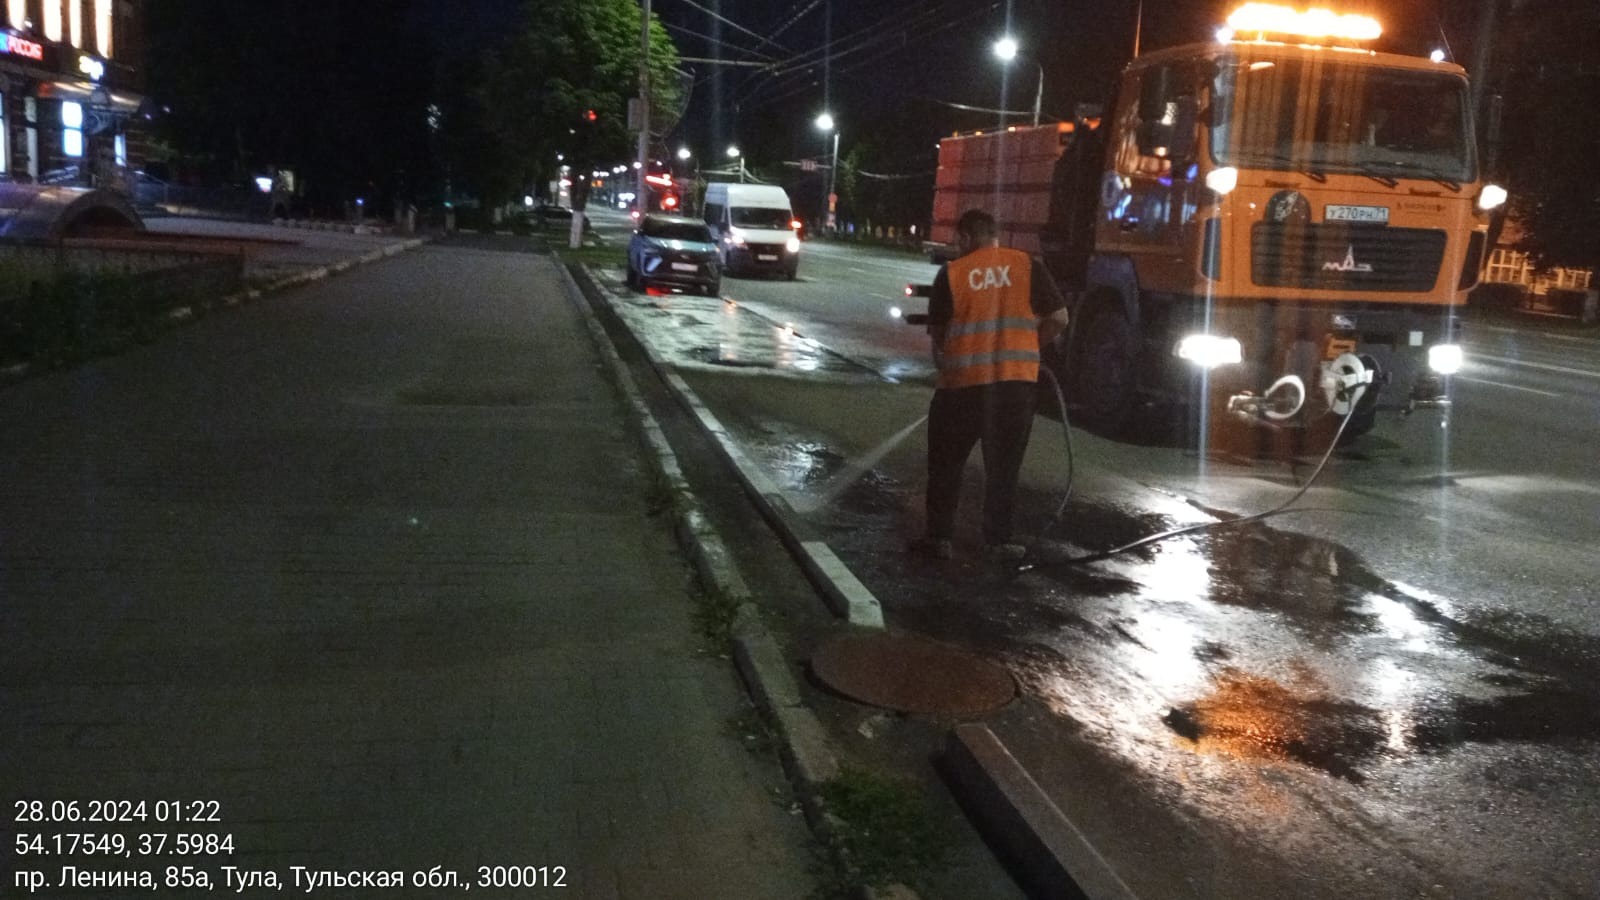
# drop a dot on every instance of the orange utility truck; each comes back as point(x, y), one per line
point(1280, 223)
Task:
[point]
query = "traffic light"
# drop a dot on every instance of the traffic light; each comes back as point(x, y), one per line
point(590, 115)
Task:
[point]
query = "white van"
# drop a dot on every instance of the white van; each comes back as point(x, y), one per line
point(753, 227)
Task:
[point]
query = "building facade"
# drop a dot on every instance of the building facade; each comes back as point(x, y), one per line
point(71, 92)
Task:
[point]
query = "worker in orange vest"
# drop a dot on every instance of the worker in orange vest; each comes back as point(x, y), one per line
point(988, 313)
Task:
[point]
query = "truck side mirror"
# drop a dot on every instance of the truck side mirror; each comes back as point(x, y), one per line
point(1171, 133)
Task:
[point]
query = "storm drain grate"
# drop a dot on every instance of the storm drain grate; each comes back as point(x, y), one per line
point(910, 673)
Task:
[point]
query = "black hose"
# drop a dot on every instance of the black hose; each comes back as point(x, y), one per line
point(1278, 510)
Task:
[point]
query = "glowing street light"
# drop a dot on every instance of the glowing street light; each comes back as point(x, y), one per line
point(683, 153)
point(825, 124)
point(1006, 49)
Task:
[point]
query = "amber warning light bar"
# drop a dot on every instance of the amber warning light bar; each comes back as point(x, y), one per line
point(1270, 19)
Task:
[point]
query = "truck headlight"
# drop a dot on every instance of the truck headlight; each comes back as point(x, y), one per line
point(1209, 350)
point(1445, 359)
point(1223, 180)
point(792, 245)
point(1493, 196)
point(736, 237)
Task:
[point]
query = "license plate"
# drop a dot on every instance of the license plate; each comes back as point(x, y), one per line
point(767, 257)
point(685, 267)
point(1378, 215)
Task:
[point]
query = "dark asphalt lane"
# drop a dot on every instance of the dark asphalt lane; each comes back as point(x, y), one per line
point(1392, 694)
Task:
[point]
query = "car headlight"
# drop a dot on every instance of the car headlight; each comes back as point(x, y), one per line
point(1209, 350)
point(792, 245)
point(1446, 359)
point(736, 237)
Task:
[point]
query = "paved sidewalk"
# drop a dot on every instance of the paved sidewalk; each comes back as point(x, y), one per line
point(369, 570)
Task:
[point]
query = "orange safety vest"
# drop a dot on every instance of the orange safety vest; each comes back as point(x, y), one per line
point(993, 334)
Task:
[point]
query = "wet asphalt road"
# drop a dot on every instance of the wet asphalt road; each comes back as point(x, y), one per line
point(1393, 693)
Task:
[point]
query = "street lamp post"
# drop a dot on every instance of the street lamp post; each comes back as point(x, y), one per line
point(684, 156)
point(1006, 49)
point(825, 123)
point(733, 153)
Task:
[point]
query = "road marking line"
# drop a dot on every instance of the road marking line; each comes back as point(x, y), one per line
point(1565, 370)
point(1512, 387)
point(1570, 338)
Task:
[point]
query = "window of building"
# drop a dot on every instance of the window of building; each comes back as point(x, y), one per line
point(75, 22)
point(5, 137)
point(120, 146)
point(72, 129)
point(17, 12)
point(102, 27)
point(52, 20)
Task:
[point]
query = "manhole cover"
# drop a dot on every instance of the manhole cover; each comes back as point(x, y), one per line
point(914, 674)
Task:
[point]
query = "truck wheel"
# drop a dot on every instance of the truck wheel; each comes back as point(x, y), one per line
point(1102, 366)
point(1362, 418)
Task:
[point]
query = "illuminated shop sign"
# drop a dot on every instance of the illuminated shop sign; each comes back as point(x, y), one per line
point(16, 46)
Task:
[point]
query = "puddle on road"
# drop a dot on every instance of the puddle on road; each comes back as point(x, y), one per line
point(1191, 616)
point(710, 331)
point(1251, 717)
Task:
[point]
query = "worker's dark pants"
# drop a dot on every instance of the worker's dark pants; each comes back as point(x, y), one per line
point(1001, 416)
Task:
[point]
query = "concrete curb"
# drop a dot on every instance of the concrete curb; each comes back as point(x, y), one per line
point(1051, 856)
point(807, 754)
point(1049, 853)
point(23, 370)
point(844, 593)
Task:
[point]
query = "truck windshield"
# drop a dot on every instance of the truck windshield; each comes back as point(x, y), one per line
point(759, 217)
point(1329, 117)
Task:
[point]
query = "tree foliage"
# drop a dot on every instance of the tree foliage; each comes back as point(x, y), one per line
point(567, 58)
point(1548, 62)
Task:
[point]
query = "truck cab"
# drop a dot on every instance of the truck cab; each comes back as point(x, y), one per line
point(1318, 206)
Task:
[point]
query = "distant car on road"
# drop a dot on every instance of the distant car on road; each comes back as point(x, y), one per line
point(754, 227)
point(674, 251)
point(547, 216)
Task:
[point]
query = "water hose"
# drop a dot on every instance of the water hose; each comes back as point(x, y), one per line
point(1280, 509)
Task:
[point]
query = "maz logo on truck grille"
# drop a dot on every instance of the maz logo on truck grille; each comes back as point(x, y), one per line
point(1349, 264)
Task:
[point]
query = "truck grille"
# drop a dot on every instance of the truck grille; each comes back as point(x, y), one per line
point(1345, 257)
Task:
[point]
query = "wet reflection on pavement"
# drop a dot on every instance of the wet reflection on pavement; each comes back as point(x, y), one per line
point(1247, 644)
point(691, 330)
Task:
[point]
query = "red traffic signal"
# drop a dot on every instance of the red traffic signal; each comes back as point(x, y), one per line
point(591, 115)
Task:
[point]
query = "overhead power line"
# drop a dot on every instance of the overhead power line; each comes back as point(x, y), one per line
point(920, 30)
point(771, 39)
point(729, 22)
point(721, 43)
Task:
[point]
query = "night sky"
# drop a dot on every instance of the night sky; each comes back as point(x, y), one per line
point(898, 66)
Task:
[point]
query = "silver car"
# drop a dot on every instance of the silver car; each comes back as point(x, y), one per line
point(670, 251)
